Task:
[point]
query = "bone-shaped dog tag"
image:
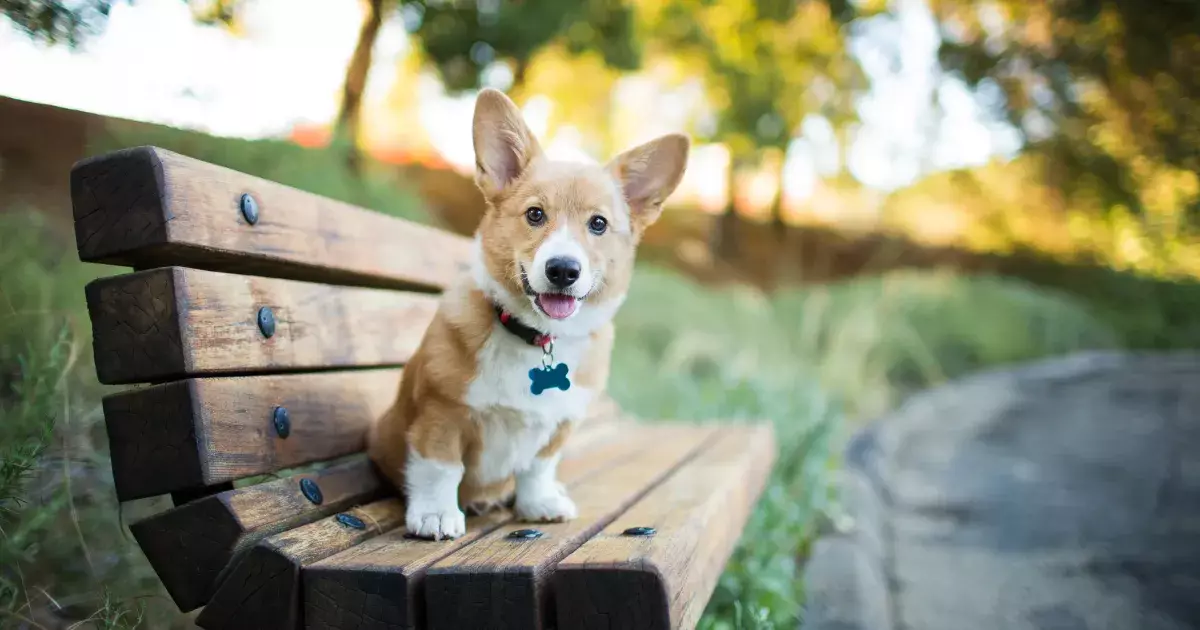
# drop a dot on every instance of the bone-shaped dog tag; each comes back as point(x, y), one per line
point(543, 378)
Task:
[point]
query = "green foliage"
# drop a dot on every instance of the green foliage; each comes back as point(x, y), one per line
point(760, 60)
point(28, 435)
point(1146, 313)
point(55, 21)
point(1105, 89)
point(60, 536)
point(462, 38)
point(70, 23)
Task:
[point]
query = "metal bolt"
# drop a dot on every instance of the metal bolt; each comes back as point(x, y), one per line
point(266, 321)
point(249, 208)
point(282, 421)
point(311, 491)
point(525, 534)
point(351, 521)
point(640, 531)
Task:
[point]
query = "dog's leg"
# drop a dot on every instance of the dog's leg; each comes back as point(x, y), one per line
point(432, 491)
point(540, 497)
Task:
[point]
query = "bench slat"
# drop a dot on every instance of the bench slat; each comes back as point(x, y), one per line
point(146, 207)
point(664, 581)
point(204, 432)
point(190, 545)
point(500, 578)
point(262, 590)
point(379, 584)
point(174, 322)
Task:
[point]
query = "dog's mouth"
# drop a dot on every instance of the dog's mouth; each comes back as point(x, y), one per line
point(553, 305)
point(556, 305)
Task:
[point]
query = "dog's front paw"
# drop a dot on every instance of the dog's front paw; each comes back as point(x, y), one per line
point(551, 506)
point(436, 524)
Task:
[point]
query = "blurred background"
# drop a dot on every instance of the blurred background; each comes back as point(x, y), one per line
point(883, 195)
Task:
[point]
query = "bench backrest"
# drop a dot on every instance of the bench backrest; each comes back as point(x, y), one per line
point(252, 374)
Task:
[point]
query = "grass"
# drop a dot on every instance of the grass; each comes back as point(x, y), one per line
point(813, 361)
point(60, 534)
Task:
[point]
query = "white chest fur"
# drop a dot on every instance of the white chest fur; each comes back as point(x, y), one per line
point(515, 424)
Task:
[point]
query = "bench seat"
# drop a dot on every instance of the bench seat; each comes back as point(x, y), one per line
point(265, 329)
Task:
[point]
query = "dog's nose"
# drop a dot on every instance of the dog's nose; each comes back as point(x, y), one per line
point(562, 272)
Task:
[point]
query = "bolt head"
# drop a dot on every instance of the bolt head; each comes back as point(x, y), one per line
point(249, 208)
point(311, 491)
point(351, 521)
point(282, 421)
point(266, 321)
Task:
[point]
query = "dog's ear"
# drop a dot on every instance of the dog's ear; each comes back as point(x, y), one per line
point(649, 174)
point(504, 146)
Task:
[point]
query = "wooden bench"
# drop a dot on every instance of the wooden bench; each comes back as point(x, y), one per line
point(272, 325)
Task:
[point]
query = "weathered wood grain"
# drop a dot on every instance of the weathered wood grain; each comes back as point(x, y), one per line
point(173, 322)
point(192, 434)
point(499, 582)
point(379, 584)
point(262, 589)
point(146, 207)
point(190, 545)
point(664, 581)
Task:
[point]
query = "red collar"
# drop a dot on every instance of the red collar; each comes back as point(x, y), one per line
point(529, 335)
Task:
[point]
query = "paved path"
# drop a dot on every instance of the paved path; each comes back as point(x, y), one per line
point(1062, 495)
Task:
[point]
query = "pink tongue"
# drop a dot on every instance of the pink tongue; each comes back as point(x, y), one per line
point(556, 305)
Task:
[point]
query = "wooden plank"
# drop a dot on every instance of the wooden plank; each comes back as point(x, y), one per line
point(174, 322)
point(499, 582)
point(190, 545)
point(664, 581)
point(146, 207)
point(197, 433)
point(262, 589)
point(379, 584)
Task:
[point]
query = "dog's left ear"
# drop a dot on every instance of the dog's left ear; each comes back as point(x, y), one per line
point(649, 174)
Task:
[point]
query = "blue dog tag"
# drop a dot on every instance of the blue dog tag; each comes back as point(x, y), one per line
point(546, 377)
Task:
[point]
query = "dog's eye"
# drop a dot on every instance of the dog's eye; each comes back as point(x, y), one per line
point(597, 225)
point(535, 216)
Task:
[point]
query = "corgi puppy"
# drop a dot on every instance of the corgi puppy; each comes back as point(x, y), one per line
point(519, 348)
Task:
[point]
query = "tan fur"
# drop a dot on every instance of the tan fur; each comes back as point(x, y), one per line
point(430, 414)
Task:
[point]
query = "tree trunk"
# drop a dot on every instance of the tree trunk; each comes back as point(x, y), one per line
point(778, 223)
point(349, 114)
point(723, 240)
point(520, 74)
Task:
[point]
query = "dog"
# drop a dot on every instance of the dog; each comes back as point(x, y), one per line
point(519, 349)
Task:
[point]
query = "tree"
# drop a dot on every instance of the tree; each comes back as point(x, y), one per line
point(71, 22)
point(59, 22)
point(760, 60)
point(462, 38)
point(1105, 90)
point(55, 21)
point(350, 110)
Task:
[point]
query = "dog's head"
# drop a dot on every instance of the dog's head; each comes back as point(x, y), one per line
point(557, 242)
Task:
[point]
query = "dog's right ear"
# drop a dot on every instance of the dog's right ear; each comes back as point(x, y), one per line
point(504, 145)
